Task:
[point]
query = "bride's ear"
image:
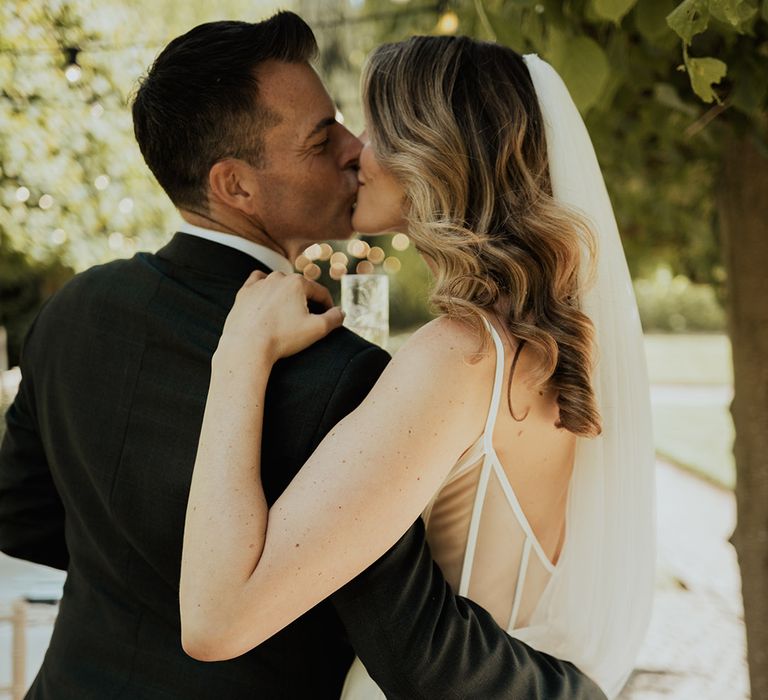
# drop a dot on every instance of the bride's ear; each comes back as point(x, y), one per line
point(232, 182)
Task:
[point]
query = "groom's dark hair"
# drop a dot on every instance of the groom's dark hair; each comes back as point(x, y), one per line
point(199, 102)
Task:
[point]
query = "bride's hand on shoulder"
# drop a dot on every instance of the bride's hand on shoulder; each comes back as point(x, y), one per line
point(270, 316)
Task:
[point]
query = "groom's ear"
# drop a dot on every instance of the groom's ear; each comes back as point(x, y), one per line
point(232, 182)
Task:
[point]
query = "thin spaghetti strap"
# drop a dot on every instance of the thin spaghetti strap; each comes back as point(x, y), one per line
point(497, 386)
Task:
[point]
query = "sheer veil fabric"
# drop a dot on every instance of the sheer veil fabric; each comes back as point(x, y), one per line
point(596, 612)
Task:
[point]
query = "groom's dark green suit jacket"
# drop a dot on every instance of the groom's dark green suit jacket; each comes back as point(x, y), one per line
point(95, 470)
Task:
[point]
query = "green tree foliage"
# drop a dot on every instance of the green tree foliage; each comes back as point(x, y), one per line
point(643, 75)
point(74, 186)
point(74, 189)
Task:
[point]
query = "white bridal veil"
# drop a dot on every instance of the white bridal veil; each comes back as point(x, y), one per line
point(596, 612)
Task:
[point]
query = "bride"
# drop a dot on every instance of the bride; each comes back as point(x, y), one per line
point(516, 423)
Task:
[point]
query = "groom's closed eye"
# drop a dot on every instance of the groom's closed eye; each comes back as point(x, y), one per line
point(321, 146)
point(321, 126)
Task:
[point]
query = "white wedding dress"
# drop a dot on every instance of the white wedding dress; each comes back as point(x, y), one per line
point(593, 607)
point(480, 537)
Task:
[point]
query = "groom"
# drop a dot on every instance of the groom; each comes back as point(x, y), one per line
point(96, 463)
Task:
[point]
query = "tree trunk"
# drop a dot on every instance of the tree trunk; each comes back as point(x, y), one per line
point(743, 211)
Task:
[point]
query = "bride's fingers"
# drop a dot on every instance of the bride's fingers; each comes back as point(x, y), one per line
point(327, 321)
point(316, 292)
point(254, 277)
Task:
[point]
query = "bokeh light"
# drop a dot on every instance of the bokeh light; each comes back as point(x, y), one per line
point(101, 182)
point(400, 241)
point(448, 23)
point(314, 251)
point(376, 255)
point(392, 265)
point(312, 271)
point(358, 248)
point(301, 262)
point(73, 73)
point(338, 270)
point(116, 240)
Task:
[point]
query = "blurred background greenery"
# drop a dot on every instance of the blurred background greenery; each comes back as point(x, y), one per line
point(75, 192)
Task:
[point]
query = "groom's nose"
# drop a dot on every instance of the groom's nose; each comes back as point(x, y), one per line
point(350, 149)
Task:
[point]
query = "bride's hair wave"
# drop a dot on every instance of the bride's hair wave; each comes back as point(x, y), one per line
point(457, 122)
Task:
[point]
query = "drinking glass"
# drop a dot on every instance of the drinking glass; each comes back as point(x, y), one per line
point(365, 300)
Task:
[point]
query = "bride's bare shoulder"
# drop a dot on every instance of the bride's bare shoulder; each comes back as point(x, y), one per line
point(440, 369)
point(451, 345)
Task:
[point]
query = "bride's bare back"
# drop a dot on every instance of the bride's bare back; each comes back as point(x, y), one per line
point(497, 524)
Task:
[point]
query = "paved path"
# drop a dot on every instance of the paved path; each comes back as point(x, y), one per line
point(695, 645)
point(695, 649)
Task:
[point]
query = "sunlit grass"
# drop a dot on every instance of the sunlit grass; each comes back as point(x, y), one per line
point(689, 359)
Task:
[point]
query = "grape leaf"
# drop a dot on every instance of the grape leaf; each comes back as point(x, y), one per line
point(704, 73)
point(689, 18)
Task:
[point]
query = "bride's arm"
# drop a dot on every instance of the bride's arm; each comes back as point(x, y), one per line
point(247, 570)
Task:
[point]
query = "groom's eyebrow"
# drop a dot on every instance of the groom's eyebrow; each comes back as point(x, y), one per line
point(322, 124)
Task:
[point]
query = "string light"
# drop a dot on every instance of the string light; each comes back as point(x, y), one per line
point(72, 71)
point(448, 23)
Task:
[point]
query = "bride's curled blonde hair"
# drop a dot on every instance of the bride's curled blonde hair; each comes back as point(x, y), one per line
point(457, 122)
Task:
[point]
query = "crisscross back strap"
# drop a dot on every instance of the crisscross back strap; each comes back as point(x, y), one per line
point(498, 381)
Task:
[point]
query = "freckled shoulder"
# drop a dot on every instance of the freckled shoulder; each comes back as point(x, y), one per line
point(453, 352)
point(451, 339)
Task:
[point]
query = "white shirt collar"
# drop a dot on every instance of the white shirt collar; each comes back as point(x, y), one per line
point(271, 258)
